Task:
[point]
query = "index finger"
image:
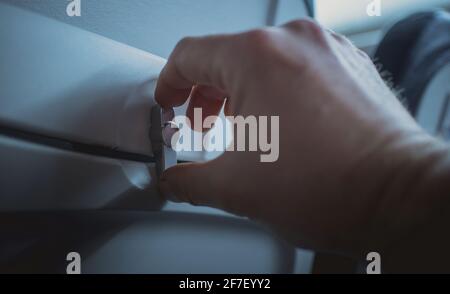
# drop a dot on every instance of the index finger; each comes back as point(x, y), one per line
point(194, 61)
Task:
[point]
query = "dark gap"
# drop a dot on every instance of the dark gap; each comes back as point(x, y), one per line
point(69, 145)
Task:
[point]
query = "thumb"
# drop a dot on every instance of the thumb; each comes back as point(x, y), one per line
point(195, 183)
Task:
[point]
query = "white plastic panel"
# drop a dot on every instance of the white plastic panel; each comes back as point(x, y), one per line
point(156, 25)
point(139, 23)
point(65, 82)
point(35, 177)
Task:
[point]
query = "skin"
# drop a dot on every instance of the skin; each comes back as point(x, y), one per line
point(355, 172)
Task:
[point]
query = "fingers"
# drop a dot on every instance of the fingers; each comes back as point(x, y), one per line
point(195, 61)
point(195, 183)
point(209, 99)
point(203, 63)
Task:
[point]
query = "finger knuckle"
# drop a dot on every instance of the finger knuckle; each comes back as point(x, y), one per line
point(259, 38)
point(309, 29)
point(304, 25)
point(255, 46)
point(183, 43)
point(300, 24)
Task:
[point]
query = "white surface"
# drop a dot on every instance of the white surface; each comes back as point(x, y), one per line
point(182, 244)
point(38, 178)
point(69, 83)
point(156, 25)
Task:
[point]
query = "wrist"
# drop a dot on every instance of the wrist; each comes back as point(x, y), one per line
point(410, 214)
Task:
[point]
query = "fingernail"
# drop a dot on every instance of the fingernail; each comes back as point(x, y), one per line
point(166, 191)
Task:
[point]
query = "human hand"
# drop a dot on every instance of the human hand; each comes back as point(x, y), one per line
point(347, 147)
